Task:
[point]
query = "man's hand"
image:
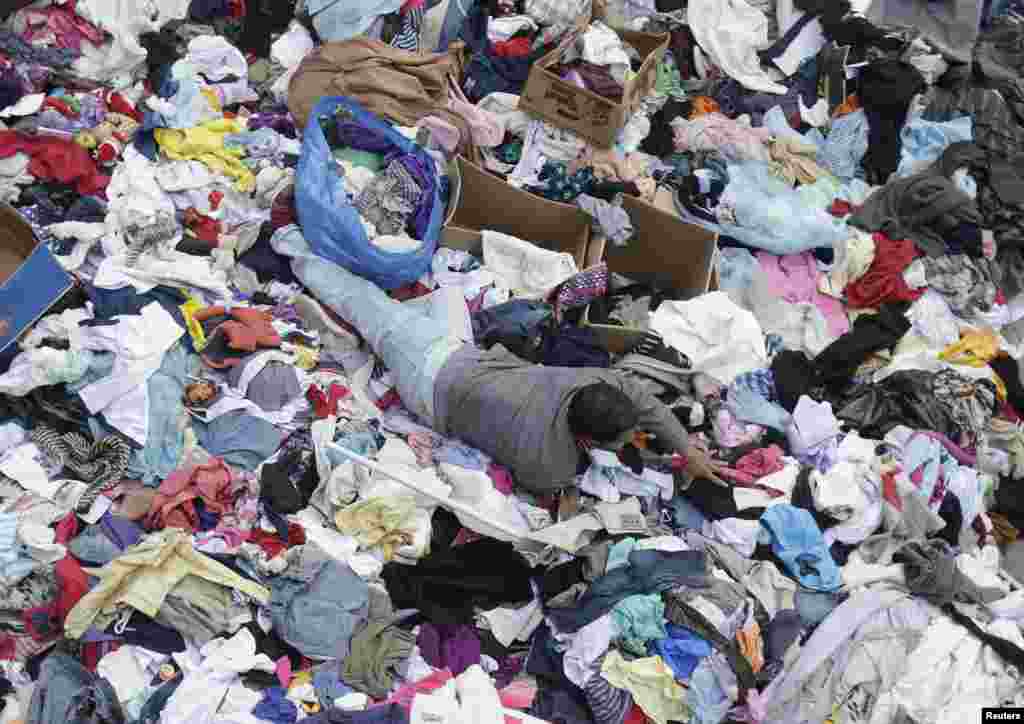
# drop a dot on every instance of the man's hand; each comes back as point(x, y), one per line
point(652, 345)
point(700, 465)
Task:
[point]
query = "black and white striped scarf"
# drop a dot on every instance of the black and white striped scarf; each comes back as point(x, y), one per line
point(99, 464)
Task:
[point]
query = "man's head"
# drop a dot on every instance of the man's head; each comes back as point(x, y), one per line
point(602, 413)
point(199, 393)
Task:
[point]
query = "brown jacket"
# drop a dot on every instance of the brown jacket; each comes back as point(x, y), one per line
point(397, 85)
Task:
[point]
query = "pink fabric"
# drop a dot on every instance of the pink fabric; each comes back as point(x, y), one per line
point(511, 697)
point(730, 432)
point(716, 132)
point(61, 24)
point(441, 131)
point(501, 478)
point(519, 694)
point(794, 277)
point(404, 696)
point(755, 465)
point(173, 506)
point(283, 669)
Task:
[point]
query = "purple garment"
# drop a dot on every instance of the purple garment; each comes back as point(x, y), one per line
point(349, 134)
point(822, 456)
point(122, 532)
point(509, 668)
point(736, 100)
point(426, 178)
point(962, 456)
point(91, 115)
point(448, 646)
point(280, 122)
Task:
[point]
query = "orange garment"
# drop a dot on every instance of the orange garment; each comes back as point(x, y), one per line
point(246, 331)
point(752, 646)
point(851, 104)
point(976, 348)
point(703, 105)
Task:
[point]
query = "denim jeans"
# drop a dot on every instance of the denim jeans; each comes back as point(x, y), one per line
point(412, 345)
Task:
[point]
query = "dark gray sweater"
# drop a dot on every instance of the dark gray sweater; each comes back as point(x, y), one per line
point(518, 412)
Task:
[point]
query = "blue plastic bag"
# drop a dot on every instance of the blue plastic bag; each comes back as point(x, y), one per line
point(331, 224)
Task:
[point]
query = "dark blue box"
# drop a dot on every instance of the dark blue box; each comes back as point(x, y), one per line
point(31, 281)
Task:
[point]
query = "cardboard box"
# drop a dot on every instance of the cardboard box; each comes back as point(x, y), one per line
point(665, 252)
point(487, 202)
point(592, 116)
point(31, 281)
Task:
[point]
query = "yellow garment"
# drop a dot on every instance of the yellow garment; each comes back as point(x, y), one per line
point(211, 96)
point(794, 161)
point(976, 348)
point(850, 266)
point(195, 329)
point(652, 684)
point(306, 358)
point(384, 522)
point(205, 143)
point(143, 576)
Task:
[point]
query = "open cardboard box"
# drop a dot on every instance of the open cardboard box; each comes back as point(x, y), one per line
point(592, 116)
point(31, 281)
point(487, 202)
point(667, 253)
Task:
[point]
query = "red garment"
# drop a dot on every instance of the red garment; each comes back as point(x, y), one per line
point(884, 280)
point(272, 544)
point(204, 228)
point(754, 466)
point(890, 493)
point(326, 404)
point(54, 159)
point(1007, 412)
point(635, 716)
point(117, 103)
point(73, 585)
point(389, 399)
point(66, 529)
point(840, 208)
point(515, 48)
point(406, 292)
point(60, 106)
point(174, 506)
point(282, 209)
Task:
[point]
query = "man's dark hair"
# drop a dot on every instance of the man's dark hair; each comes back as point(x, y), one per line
point(601, 412)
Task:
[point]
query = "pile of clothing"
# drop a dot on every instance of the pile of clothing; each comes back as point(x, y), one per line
point(219, 505)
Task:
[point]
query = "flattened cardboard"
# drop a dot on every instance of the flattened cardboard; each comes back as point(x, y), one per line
point(596, 118)
point(487, 202)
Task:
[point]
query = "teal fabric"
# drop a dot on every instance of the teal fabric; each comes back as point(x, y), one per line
point(618, 554)
point(639, 619)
